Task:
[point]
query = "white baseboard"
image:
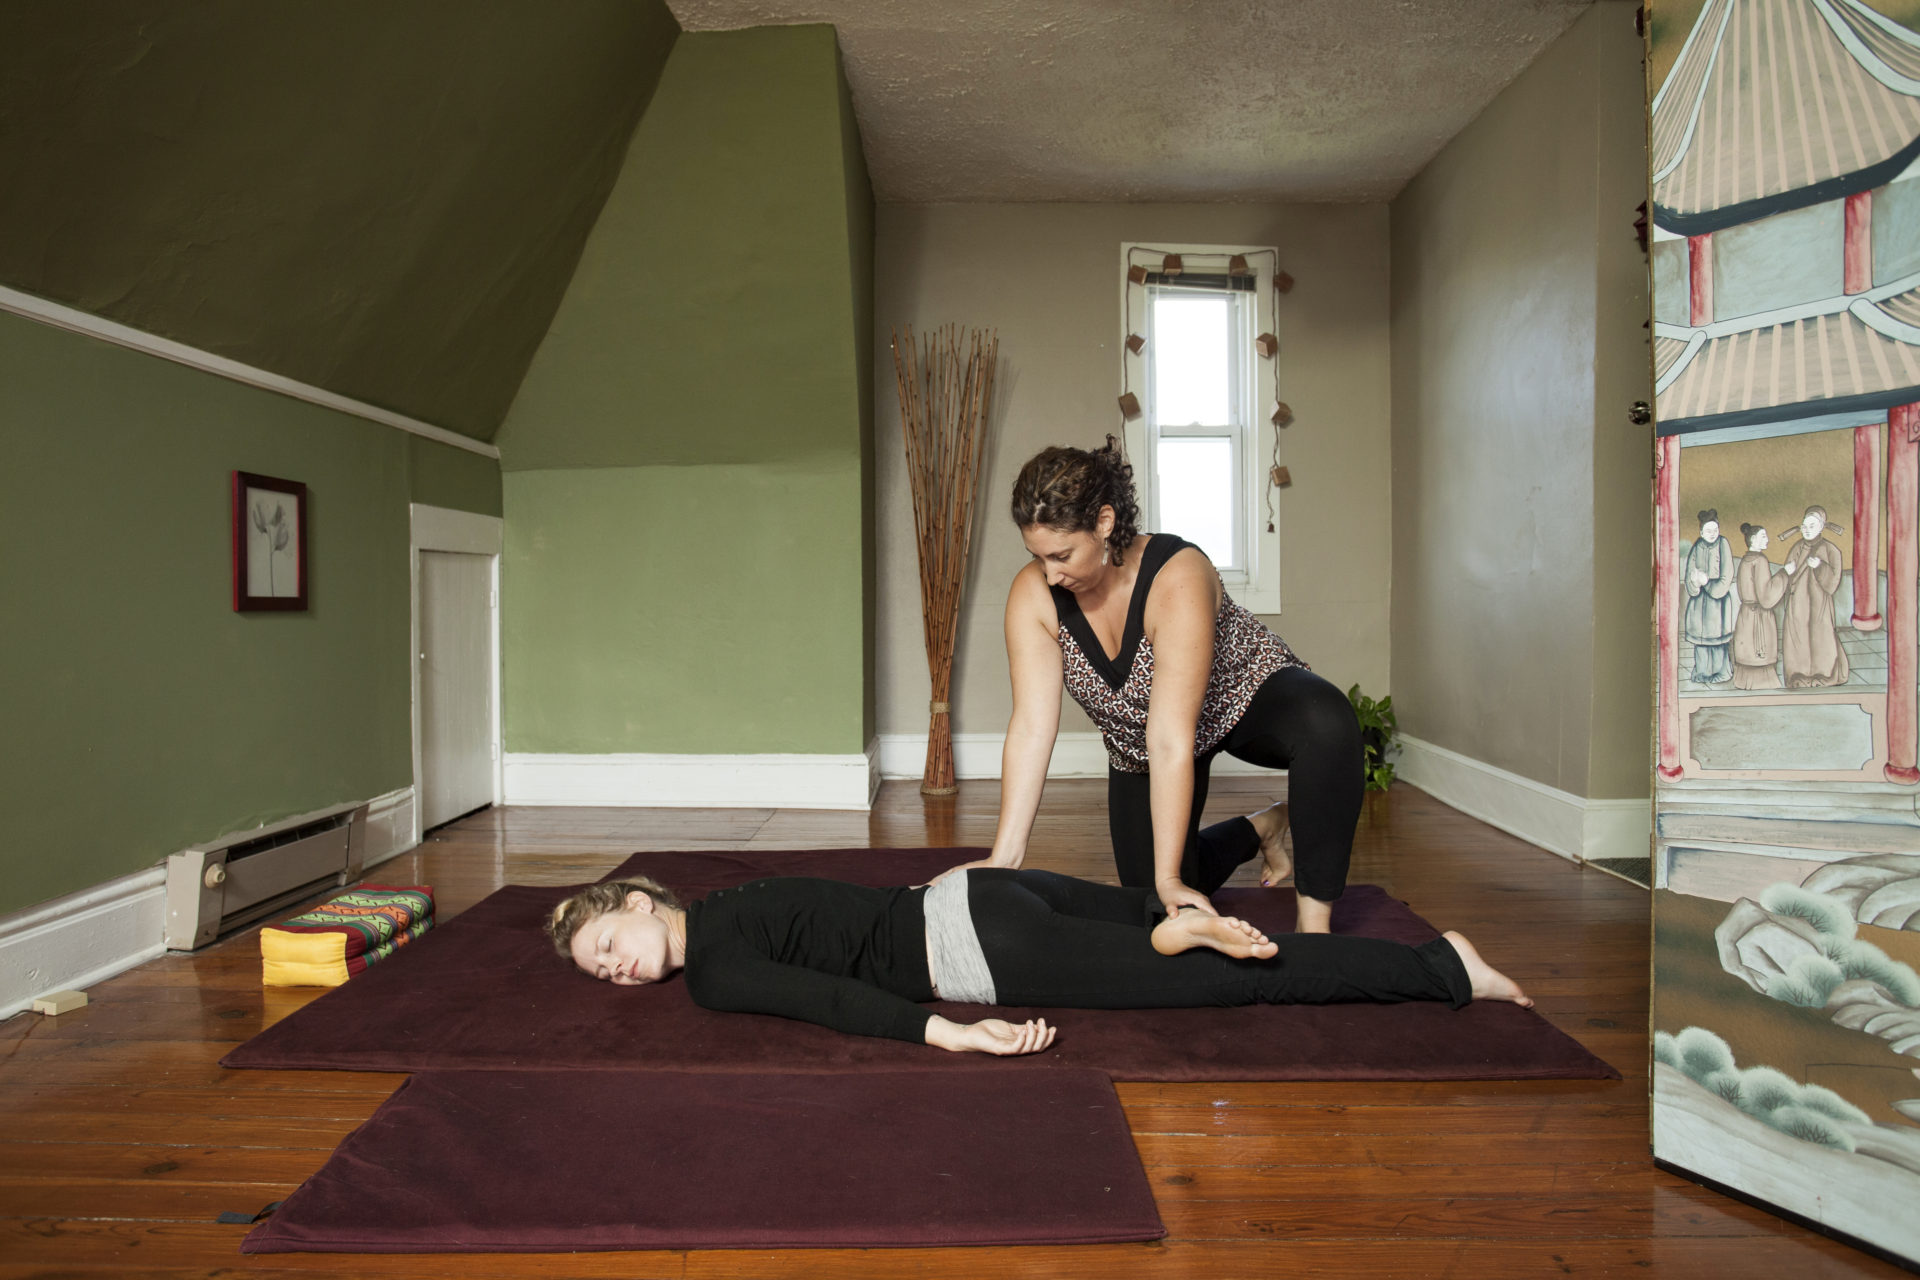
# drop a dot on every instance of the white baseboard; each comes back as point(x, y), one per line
point(390, 827)
point(977, 755)
point(797, 781)
point(82, 938)
point(1558, 821)
point(1617, 829)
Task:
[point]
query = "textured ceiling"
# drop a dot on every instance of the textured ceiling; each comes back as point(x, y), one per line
point(1178, 100)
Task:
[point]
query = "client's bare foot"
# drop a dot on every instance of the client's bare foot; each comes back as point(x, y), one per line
point(1488, 982)
point(1276, 854)
point(1185, 930)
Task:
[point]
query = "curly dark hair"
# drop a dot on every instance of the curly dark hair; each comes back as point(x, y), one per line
point(596, 900)
point(1064, 488)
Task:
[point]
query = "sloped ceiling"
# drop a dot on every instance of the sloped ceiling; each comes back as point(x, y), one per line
point(1137, 100)
point(384, 198)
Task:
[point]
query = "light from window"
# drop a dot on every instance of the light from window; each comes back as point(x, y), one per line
point(1190, 378)
point(1194, 477)
point(1196, 415)
point(1201, 389)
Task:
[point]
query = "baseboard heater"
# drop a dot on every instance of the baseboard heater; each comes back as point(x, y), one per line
point(229, 883)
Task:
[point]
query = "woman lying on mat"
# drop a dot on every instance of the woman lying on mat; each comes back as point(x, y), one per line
point(1138, 629)
point(860, 960)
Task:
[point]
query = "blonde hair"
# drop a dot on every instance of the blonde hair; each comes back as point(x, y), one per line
point(589, 904)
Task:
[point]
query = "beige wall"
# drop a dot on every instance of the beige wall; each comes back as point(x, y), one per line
point(1521, 568)
point(1047, 277)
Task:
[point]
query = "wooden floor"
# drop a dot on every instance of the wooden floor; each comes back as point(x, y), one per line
point(123, 1139)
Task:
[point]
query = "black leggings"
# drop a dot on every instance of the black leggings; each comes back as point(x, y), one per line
point(1056, 941)
point(1297, 722)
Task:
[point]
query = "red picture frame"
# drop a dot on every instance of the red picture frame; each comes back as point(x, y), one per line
point(269, 543)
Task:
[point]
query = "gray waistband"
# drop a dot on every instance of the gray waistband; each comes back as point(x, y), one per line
point(959, 967)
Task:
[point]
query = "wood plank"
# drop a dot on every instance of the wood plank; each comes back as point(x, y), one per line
point(1367, 1148)
point(154, 1165)
point(1586, 1217)
point(192, 1131)
point(1407, 1183)
point(1440, 1124)
point(1385, 1093)
point(130, 1103)
point(144, 1201)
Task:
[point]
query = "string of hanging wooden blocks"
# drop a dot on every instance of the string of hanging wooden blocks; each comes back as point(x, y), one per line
point(1267, 345)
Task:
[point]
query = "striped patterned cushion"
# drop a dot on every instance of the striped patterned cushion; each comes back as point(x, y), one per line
point(329, 944)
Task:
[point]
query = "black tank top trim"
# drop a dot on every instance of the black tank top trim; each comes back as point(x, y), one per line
point(1160, 548)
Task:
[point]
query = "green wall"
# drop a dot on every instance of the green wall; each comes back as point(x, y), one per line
point(688, 463)
point(142, 713)
point(384, 198)
point(442, 475)
point(860, 255)
point(683, 609)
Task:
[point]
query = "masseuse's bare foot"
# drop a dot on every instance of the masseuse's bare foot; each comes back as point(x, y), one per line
point(1185, 930)
point(1488, 982)
point(1276, 852)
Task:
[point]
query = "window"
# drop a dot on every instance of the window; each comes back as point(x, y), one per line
point(1203, 442)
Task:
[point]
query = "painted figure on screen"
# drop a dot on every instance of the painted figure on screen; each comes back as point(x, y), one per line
point(1711, 603)
point(1812, 642)
point(1756, 632)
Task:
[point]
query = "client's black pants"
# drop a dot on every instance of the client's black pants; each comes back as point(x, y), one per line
point(1053, 940)
point(1297, 722)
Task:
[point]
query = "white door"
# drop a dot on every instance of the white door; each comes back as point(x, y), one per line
point(456, 684)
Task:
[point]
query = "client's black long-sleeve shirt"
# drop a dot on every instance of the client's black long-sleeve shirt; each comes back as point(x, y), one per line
point(841, 955)
point(855, 959)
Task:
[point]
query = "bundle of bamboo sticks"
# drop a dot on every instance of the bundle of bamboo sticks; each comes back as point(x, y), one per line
point(946, 387)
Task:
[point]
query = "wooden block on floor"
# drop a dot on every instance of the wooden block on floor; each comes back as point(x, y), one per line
point(59, 1002)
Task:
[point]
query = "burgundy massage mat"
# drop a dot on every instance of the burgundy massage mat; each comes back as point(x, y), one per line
point(540, 1161)
point(485, 989)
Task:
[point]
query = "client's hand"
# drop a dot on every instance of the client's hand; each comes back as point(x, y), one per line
point(990, 1035)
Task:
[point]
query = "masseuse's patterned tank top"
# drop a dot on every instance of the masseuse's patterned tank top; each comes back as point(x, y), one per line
point(1114, 691)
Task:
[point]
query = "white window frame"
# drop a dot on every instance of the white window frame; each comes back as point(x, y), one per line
point(1255, 580)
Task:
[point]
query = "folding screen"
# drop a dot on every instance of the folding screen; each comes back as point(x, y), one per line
point(1786, 214)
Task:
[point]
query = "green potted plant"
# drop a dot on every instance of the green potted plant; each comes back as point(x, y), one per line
point(1378, 729)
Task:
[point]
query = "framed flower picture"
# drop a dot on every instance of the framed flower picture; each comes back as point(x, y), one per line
point(269, 543)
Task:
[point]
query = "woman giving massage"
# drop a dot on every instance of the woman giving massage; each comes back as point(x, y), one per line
point(861, 960)
point(1138, 629)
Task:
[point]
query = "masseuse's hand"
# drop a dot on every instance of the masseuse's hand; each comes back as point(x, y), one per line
point(1002, 1038)
point(964, 866)
point(1175, 895)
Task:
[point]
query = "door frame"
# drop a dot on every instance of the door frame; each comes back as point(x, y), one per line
point(468, 532)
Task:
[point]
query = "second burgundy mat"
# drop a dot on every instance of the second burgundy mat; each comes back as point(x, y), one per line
point(487, 990)
point(534, 1161)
